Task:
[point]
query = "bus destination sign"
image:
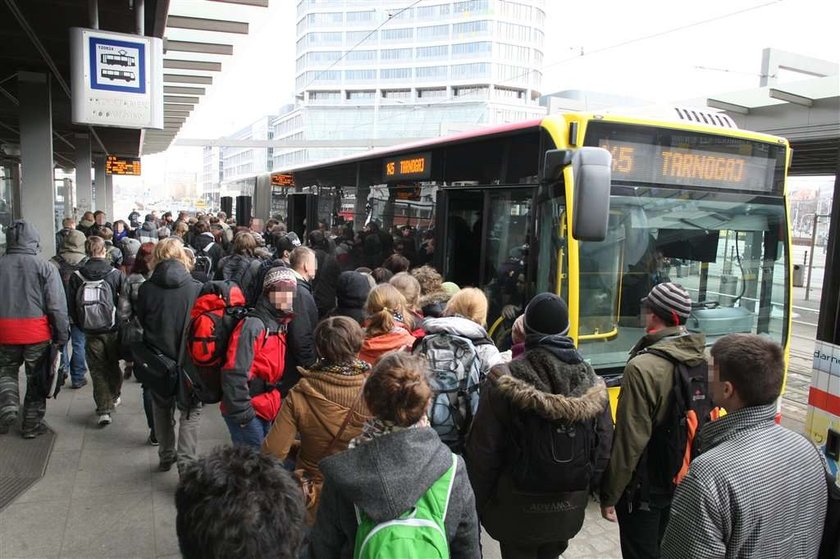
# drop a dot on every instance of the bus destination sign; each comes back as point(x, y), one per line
point(415, 166)
point(685, 159)
point(122, 166)
point(687, 166)
point(282, 179)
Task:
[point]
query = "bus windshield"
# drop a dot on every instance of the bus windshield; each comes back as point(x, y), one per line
point(727, 250)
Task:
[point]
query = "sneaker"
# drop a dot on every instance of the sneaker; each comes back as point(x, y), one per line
point(117, 401)
point(152, 440)
point(104, 419)
point(77, 385)
point(36, 431)
point(166, 465)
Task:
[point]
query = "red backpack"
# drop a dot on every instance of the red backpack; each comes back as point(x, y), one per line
point(216, 312)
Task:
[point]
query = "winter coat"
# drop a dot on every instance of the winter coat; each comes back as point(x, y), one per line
point(238, 268)
point(316, 408)
point(115, 255)
point(352, 292)
point(129, 296)
point(643, 403)
point(59, 238)
point(33, 306)
point(488, 354)
point(757, 490)
point(163, 306)
point(385, 477)
point(373, 348)
point(85, 226)
point(300, 339)
point(95, 269)
point(554, 389)
point(146, 233)
point(325, 284)
point(254, 365)
point(432, 304)
point(215, 252)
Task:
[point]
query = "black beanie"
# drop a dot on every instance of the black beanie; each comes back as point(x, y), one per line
point(547, 314)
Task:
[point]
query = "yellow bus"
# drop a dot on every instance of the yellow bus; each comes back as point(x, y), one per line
point(595, 207)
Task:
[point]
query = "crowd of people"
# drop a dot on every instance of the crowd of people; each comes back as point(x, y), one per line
point(371, 415)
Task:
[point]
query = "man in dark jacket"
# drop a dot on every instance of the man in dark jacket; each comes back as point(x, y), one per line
point(549, 384)
point(324, 286)
point(301, 344)
point(33, 313)
point(101, 345)
point(163, 309)
point(352, 293)
point(205, 246)
point(71, 257)
point(641, 503)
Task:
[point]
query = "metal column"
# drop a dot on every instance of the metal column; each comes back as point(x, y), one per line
point(104, 189)
point(37, 193)
point(828, 328)
point(84, 184)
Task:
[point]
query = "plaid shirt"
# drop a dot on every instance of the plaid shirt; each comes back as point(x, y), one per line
point(758, 490)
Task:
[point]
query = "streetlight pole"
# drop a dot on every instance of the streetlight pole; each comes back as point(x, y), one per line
point(811, 256)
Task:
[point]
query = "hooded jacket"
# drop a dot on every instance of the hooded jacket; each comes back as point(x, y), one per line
point(163, 306)
point(146, 233)
point(95, 269)
point(316, 408)
point(643, 402)
point(33, 306)
point(488, 354)
point(352, 292)
point(556, 389)
point(85, 226)
point(385, 477)
point(206, 243)
point(254, 365)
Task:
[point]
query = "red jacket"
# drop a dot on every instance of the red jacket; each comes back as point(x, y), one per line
point(255, 361)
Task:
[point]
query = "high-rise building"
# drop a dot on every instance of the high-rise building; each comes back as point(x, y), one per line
point(401, 69)
point(211, 174)
point(238, 165)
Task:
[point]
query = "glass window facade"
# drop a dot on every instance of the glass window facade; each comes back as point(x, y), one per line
point(395, 73)
point(472, 49)
point(438, 51)
point(436, 32)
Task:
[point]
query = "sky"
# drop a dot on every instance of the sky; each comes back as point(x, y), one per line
point(657, 50)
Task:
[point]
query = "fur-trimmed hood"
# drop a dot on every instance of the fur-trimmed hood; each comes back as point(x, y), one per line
point(555, 390)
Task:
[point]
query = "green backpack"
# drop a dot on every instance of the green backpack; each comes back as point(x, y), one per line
point(418, 533)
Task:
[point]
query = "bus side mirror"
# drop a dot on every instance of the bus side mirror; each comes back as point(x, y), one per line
point(592, 169)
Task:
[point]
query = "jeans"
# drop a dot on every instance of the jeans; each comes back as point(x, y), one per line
point(34, 404)
point(252, 434)
point(641, 528)
point(78, 366)
point(148, 409)
point(103, 356)
point(188, 420)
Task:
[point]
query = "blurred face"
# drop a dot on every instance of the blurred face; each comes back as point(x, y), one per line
point(282, 300)
point(100, 219)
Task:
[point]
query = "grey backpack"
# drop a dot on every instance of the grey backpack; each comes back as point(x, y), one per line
point(455, 377)
point(95, 308)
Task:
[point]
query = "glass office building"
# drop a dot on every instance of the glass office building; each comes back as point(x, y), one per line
point(392, 70)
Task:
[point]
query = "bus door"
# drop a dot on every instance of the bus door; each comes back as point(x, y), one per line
point(303, 213)
point(483, 242)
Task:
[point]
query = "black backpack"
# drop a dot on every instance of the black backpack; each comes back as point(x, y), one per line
point(675, 442)
point(203, 261)
point(66, 269)
point(552, 456)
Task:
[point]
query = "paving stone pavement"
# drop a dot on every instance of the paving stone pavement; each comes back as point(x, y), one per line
point(102, 496)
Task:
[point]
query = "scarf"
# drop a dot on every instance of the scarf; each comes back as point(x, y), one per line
point(348, 369)
point(374, 428)
point(560, 346)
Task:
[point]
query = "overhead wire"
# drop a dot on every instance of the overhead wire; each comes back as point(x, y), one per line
point(590, 53)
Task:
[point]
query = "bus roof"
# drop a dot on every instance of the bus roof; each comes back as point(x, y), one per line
point(419, 145)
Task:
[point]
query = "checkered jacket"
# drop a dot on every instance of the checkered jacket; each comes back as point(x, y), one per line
point(757, 490)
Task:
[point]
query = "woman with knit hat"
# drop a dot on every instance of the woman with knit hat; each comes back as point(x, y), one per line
point(256, 357)
point(523, 403)
point(325, 407)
